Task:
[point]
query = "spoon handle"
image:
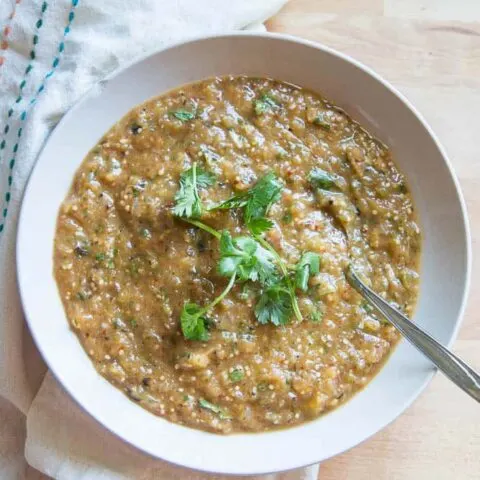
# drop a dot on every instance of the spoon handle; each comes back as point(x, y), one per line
point(454, 368)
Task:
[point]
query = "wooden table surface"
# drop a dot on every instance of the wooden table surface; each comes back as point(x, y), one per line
point(429, 50)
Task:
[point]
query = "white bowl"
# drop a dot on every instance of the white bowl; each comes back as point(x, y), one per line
point(370, 100)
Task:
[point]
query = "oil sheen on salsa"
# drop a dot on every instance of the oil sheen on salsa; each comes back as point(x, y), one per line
point(125, 265)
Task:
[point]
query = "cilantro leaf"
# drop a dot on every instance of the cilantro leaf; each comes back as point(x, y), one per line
point(193, 320)
point(257, 201)
point(204, 179)
point(187, 199)
point(262, 196)
point(193, 323)
point(246, 258)
point(260, 225)
point(264, 104)
point(321, 179)
point(183, 115)
point(205, 404)
point(275, 305)
point(308, 265)
point(237, 201)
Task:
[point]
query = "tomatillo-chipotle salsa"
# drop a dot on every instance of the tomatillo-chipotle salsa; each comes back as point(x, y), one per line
point(200, 254)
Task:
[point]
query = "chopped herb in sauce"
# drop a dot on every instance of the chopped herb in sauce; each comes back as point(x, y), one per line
point(236, 375)
point(183, 115)
point(316, 316)
point(145, 233)
point(288, 217)
point(265, 104)
point(322, 121)
point(206, 405)
point(321, 179)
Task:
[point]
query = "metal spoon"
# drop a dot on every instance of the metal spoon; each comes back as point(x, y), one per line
point(456, 370)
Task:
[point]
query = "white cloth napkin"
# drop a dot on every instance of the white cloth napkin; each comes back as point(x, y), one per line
point(51, 53)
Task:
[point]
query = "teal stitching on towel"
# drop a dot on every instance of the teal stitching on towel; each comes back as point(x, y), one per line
point(23, 115)
point(23, 83)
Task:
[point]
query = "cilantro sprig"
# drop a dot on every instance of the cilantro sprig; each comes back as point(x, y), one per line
point(256, 203)
point(246, 258)
point(193, 319)
point(187, 199)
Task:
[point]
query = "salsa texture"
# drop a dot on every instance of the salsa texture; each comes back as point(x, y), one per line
point(126, 262)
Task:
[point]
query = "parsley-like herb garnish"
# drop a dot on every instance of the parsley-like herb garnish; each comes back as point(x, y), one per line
point(260, 225)
point(283, 284)
point(262, 196)
point(246, 258)
point(193, 318)
point(193, 323)
point(275, 304)
point(187, 200)
point(308, 265)
point(256, 201)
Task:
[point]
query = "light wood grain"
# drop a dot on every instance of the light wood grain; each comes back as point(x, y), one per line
point(433, 57)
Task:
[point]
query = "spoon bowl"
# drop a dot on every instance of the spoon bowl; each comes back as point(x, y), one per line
point(454, 368)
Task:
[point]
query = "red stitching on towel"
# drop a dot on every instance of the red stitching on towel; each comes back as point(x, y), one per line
point(6, 32)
